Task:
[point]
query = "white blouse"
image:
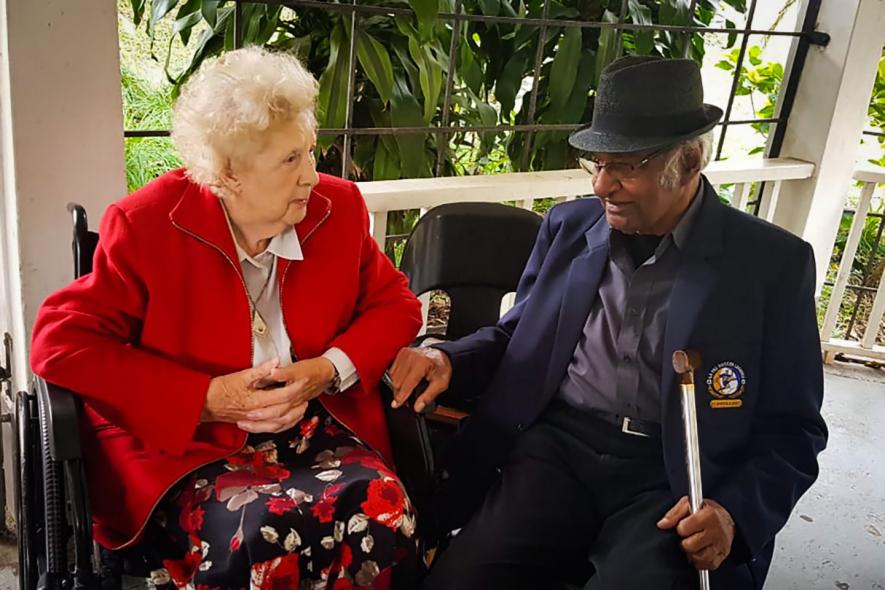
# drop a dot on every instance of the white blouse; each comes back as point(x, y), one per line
point(275, 343)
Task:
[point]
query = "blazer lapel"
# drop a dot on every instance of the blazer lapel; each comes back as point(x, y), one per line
point(579, 292)
point(694, 283)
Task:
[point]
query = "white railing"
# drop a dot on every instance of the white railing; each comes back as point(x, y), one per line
point(870, 176)
point(385, 196)
point(423, 193)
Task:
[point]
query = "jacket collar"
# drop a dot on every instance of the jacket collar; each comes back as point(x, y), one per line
point(200, 214)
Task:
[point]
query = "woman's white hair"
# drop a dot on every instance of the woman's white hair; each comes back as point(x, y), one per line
point(231, 102)
point(682, 158)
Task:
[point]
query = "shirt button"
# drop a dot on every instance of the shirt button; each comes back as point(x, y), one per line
point(633, 311)
point(520, 427)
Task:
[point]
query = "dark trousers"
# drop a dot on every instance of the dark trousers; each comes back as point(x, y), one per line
point(576, 495)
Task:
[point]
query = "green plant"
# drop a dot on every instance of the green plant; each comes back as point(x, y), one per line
point(402, 67)
point(760, 78)
point(146, 107)
point(877, 108)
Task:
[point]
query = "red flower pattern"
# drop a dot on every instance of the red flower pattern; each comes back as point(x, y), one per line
point(281, 573)
point(182, 570)
point(280, 506)
point(324, 509)
point(260, 471)
point(386, 502)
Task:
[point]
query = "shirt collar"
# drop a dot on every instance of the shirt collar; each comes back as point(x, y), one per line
point(686, 222)
point(678, 236)
point(283, 245)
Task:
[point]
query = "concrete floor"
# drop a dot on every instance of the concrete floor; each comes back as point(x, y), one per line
point(835, 538)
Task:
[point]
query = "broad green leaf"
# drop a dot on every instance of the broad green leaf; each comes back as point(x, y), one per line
point(259, 23)
point(429, 75)
point(508, 9)
point(210, 11)
point(732, 37)
point(753, 55)
point(573, 110)
point(402, 53)
point(426, 11)
point(225, 16)
point(488, 117)
point(188, 16)
point(641, 15)
point(675, 12)
point(211, 43)
point(406, 112)
point(161, 8)
point(509, 81)
point(469, 69)
point(332, 99)
point(297, 46)
point(375, 60)
point(137, 11)
point(386, 165)
point(557, 10)
point(565, 64)
point(490, 7)
point(268, 25)
point(381, 118)
point(608, 45)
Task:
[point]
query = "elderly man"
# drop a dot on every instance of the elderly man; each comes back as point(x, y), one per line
point(578, 437)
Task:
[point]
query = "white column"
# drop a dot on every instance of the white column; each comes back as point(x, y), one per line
point(61, 139)
point(827, 119)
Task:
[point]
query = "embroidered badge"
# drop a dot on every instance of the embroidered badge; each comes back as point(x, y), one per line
point(726, 383)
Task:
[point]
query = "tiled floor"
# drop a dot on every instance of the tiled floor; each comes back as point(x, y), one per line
point(835, 538)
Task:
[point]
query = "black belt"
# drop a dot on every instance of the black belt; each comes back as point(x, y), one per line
point(625, 424)
point(632, 426)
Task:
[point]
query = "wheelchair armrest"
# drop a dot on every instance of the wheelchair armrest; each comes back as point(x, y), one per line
point(445, 416)
point(62, 409)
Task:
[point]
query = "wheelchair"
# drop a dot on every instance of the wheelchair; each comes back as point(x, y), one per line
point(473, 251)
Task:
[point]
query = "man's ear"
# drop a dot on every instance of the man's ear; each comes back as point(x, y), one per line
point(691, 163)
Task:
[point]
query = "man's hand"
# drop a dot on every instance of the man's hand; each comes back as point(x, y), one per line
point(412, 365)
point(707, 535)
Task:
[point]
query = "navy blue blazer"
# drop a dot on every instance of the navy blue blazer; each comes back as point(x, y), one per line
point(743, 298)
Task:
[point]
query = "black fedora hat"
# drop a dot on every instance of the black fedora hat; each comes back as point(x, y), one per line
point(645, 103)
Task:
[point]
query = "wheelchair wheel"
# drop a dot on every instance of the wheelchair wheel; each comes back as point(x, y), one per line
point(29, 527)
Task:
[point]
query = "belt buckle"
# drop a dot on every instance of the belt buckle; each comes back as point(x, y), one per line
point(625, 428)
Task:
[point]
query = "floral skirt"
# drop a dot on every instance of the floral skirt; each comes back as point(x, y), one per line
point(309, 508)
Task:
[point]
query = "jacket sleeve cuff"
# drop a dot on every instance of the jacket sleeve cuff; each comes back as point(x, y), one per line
point(344, 366)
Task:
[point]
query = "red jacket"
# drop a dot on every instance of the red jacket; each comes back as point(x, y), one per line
point(165, 309)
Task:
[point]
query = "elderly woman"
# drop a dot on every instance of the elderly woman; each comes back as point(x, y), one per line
point(228, 346)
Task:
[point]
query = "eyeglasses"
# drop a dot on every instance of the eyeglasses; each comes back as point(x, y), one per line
point(618, 170)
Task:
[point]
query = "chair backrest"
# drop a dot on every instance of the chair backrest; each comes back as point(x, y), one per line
point(84, 242)
point(475, 252)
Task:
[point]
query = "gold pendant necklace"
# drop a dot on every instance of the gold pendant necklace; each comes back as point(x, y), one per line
point(259, 326)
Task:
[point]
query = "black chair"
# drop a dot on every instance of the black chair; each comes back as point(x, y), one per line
point(52, 506)
point(475, 252)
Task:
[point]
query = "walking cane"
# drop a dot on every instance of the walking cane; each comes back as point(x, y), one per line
point(684, 364)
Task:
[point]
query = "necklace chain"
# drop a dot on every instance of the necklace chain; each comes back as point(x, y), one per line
point(259, 326)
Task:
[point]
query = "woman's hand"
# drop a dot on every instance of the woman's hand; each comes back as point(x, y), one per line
point(304, 380)
point(266, 398)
